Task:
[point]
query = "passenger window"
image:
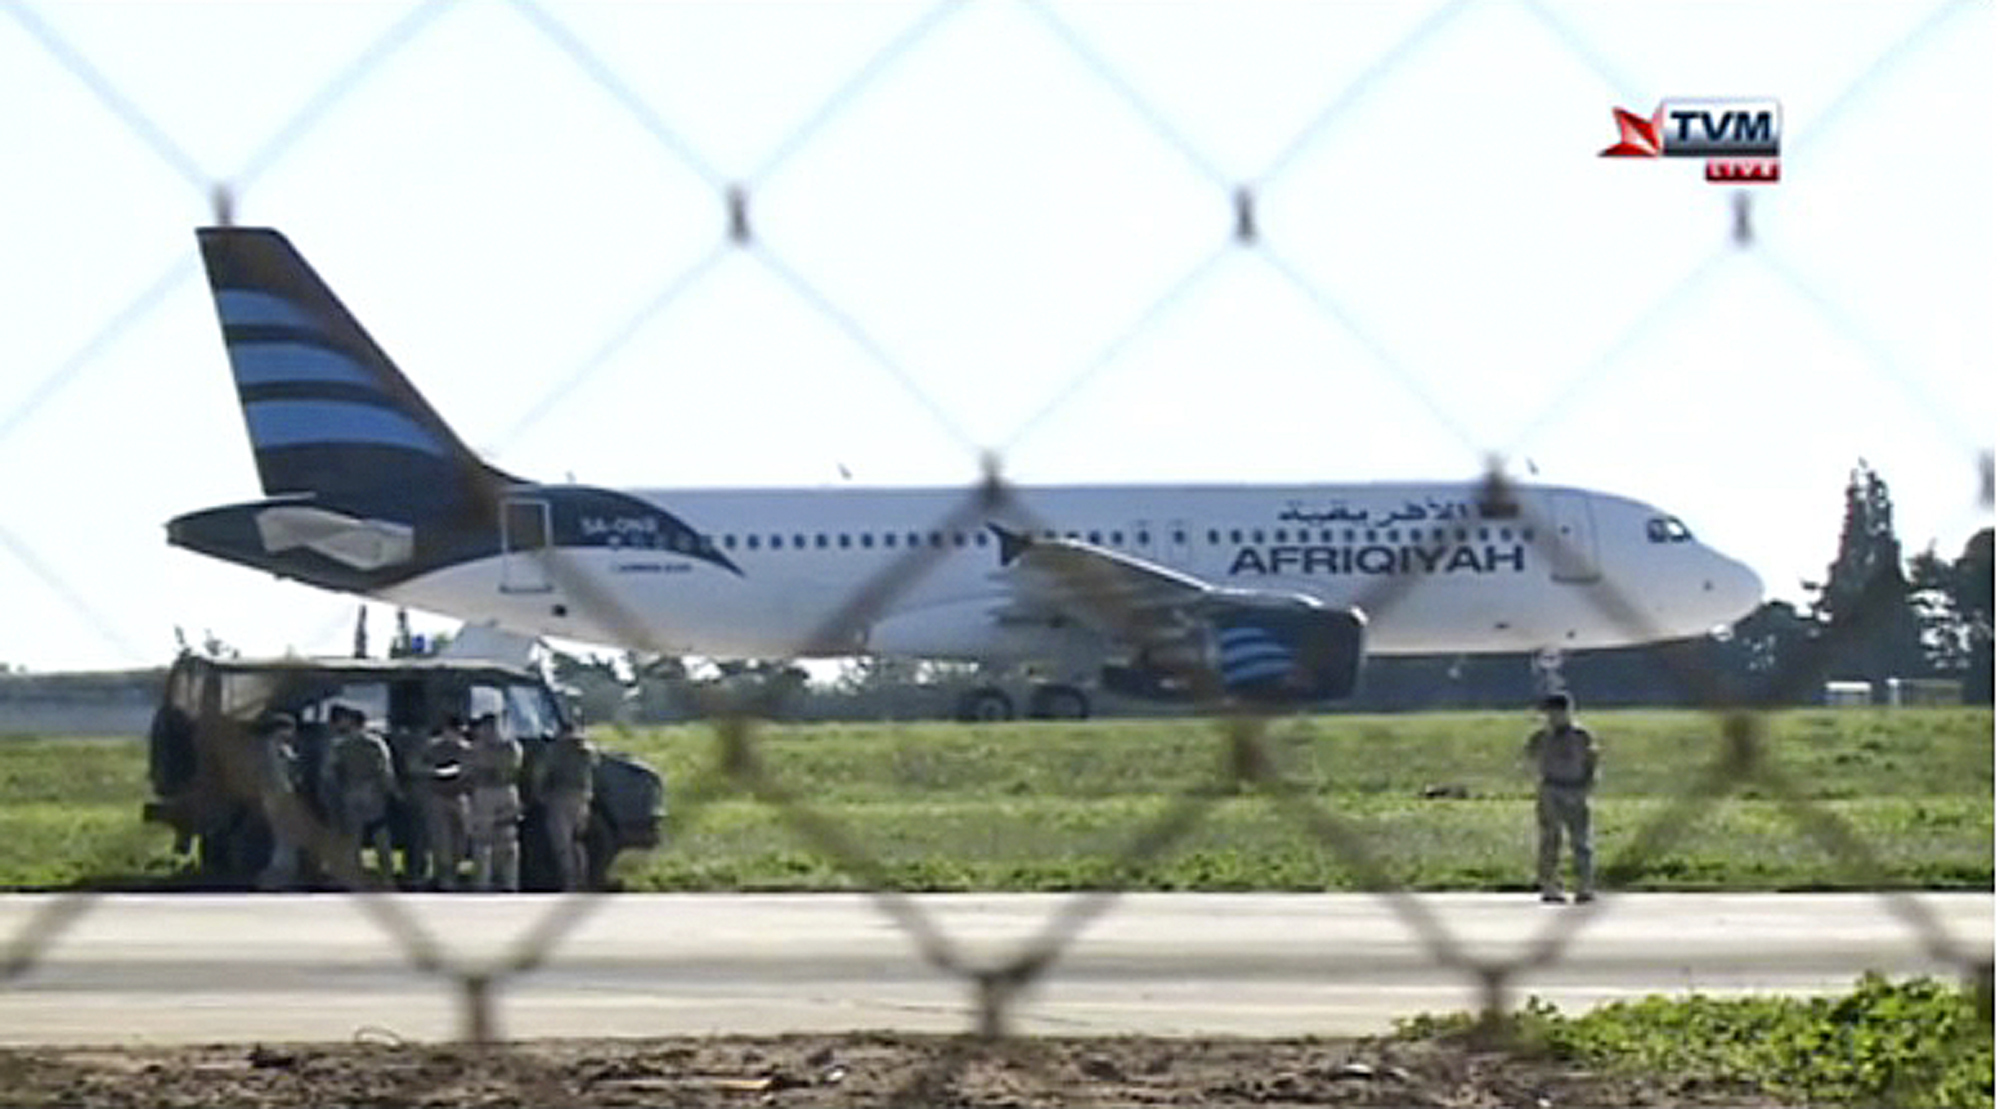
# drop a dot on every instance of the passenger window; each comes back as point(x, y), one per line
point(1326, 535)
point(845, 541)
point(1257, 536)
point(958, 539)
point(777, 542)
point(820, 541)
point(979, 537)
point(916, 540)
point(1235, 535)
point(729, 542)
point(1279, 535)
point(1214, 537)
point(1180, 537)
point(1096, 537)
point(1117, 538)
point(1347, 536)
point(1395, 535)
point(1483, 535)
point(937, 539)
point(1144, 539)
point(798, 542)
point(867, 539)
point(1527, 535)
point(888, 539)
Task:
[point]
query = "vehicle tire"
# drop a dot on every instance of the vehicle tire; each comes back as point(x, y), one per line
point(600, 850)
point(1059, 702)
point(986, 705)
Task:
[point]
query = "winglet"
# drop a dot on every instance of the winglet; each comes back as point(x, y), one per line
point(1012, 543)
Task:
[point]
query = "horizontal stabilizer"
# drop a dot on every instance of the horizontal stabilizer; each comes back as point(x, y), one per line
point(362, 544)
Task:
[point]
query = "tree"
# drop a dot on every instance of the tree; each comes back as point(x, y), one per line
point(1972, 595)
point(1867, 628)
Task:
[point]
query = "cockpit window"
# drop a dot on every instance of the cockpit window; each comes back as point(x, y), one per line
point(1667, 529)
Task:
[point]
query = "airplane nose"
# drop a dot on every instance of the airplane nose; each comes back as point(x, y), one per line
point(1732, 589)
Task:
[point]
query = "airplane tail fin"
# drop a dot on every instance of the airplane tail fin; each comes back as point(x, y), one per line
point(330, 417)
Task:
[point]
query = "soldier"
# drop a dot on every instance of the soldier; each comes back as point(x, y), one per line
point(357, 782)
point(1565, 757)
point(277, 795)
point(443, 795)
point(561, 785)
point(494, 765)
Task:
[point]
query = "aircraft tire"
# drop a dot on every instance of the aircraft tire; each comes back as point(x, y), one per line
point(1059, 702)
point(986, 705)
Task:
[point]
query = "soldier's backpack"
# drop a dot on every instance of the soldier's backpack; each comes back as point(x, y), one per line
point(361, 760)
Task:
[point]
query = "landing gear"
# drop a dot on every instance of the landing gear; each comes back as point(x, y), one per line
point(1547, 666)
point(985, 705)
point(1058, 702)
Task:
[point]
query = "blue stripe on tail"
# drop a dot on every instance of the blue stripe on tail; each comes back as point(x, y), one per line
point(329, 415)
point(292, 423)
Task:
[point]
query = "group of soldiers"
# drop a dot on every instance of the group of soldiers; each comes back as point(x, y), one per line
point(456, 795)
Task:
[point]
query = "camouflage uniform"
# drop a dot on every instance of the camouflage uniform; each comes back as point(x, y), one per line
point(562, 789)
point(1565, 757)
point(494, 766)
point(357, 782)
point(277, 795)
point(442, 771)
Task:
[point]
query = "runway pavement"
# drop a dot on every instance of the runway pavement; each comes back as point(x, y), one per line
point(190, 968)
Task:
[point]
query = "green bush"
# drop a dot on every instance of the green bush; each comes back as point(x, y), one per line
point(1920, 1044)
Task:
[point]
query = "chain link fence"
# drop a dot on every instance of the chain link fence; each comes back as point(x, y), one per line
point(1737, 759)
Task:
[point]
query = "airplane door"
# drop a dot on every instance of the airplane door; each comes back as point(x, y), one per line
point(1574, 554)
point(524, 541)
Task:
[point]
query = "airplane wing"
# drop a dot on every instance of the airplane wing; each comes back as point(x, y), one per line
point(1129, 599)
point(1259, 644)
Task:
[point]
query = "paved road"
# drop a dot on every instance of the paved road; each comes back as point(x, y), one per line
point(241, 968)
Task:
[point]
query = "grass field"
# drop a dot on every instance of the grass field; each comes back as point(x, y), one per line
point(1056, 806)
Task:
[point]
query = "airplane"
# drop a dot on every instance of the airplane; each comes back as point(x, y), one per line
point(1258, 594)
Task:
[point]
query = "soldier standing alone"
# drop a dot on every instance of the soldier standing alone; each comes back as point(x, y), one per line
point(562, 787)
point(1565, 757)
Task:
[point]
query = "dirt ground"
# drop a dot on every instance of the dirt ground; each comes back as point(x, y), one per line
point(852, 1070)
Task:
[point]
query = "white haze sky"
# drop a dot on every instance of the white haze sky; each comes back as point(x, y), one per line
point(1023, 217)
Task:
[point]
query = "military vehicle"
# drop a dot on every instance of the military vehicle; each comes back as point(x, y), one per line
point(205, 759)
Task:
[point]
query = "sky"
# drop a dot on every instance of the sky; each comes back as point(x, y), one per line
point(992, 227)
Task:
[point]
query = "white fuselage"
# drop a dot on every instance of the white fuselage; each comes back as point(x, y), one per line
point(917, 572)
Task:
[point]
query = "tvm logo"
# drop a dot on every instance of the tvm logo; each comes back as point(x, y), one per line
point(1738, 137)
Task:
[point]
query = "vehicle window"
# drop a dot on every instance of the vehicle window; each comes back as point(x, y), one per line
point(372, 698)
point(528, 713)
point(482, 699)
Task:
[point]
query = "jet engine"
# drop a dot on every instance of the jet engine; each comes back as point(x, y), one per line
point(1269, 653)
